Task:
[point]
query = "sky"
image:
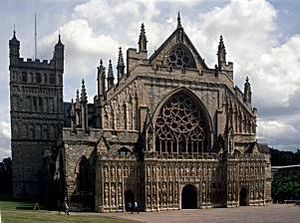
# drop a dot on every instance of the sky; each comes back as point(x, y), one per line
point(262, 39)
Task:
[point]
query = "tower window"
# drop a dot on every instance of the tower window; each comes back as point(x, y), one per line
point(38, 78)
point(24, 77)
point(52, 79)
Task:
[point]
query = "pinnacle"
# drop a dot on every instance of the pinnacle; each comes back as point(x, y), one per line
point(110, 70)
point(178, 20)
point(83, 92)
point(120, 58)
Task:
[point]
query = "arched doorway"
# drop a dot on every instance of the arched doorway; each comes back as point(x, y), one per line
point(243, 197)
point(129, 199)
point(189, 197)
point(84, 175)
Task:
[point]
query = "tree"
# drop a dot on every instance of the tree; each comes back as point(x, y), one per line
point(6, 175)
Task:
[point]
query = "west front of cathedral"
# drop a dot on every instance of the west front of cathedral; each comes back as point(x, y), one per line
point(165, 130)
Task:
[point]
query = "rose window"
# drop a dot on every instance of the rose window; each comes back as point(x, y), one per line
point(180, 126)
point(181, 58)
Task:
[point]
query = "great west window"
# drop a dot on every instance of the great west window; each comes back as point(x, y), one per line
point(181, 126)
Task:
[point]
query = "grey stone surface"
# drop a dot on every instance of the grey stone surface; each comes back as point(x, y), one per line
point(266, 214)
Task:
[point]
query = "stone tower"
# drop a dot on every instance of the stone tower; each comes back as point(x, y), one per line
point(36, 94)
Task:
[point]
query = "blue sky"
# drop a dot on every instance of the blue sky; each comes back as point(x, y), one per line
point(261, 38)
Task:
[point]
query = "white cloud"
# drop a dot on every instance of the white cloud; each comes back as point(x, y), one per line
point(5, 135)
point(97, 28)
point(5, 129)
point(276, 132)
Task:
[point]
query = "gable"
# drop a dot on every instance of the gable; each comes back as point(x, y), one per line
point(178, 52)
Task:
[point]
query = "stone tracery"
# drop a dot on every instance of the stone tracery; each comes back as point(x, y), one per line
point(181, 126)
point(180, 57)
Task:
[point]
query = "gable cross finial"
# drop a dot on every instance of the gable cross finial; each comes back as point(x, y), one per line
point(179, 20)
point(14, 31)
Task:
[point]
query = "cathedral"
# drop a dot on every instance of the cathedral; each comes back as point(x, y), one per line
point(166, 131)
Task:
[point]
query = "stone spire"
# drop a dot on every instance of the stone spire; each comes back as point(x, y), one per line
point(110, 76)
point(120, 66)
point(221, 53)
point(247, 91)
point(83, 96)
point(178, 21)
point(142, 39)
point(101, 79)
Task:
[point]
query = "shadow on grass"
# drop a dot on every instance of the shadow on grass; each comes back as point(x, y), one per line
point(7, 202)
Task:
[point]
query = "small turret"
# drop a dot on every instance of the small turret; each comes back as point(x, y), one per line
point(120, 66)
point(247, 91)
point(221, 54)
point(14, 50)
point(142, 40)
point(101, 80)
point(59, 54)
point(110, 76)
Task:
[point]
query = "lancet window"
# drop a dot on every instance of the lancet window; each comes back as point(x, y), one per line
point(181, 58)
point(181, 127)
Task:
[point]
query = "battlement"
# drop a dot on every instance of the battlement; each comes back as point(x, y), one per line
point(29, 63)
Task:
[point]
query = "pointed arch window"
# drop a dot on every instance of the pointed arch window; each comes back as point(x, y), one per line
point(181, 58)
point(181, 127)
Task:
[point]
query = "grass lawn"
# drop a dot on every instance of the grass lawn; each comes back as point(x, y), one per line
point(53, 217)
point(22, 212)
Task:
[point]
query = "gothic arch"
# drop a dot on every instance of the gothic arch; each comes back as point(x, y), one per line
point(181, 124)
point(83, 173)
point(189, 197)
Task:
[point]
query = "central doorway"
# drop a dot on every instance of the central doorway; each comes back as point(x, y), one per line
point(243, 197)
point(189, 197)
point(129, 199)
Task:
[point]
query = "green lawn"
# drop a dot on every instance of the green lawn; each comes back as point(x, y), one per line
point(51, 217)
point(22, 212)
point(15, 205)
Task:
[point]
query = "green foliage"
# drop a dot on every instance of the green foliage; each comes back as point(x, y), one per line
point(285, 188)
point(6, 175)
point(284, 158)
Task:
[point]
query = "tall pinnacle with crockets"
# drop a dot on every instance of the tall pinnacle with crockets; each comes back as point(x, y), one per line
point(142, 39)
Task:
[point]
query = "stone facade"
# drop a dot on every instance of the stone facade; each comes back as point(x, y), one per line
point(37, 115)
point(170, 132)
